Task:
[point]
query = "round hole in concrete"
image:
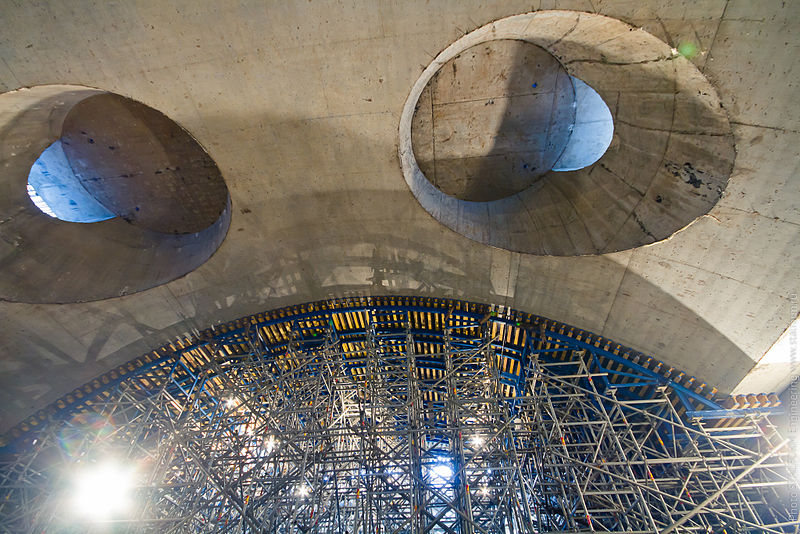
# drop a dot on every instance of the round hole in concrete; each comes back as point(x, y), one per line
point(493, 120)
point(658, 154)
point(142, 166)
point(159, 205)
point(119, 157)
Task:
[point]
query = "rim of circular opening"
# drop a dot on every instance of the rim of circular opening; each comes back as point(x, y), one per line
point(216, 232)
point(408, 161)
point(447, 210)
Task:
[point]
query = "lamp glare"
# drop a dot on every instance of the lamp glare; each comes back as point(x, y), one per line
point(102, 491)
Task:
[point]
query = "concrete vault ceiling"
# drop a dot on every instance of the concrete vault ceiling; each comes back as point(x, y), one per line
point(299, 103)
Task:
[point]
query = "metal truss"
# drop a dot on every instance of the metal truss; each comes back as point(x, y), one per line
point(397, 424)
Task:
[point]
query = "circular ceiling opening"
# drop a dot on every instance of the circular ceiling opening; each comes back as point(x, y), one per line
point(119, 158)
point(159, 204)
point(499, 116)
point(493, 120)
point(142, 166)
point(560, 132)
point(54, 189)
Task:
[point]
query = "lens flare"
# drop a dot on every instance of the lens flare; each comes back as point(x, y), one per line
point(88, 426)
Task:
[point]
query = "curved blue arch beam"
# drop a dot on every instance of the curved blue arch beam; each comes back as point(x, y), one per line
point(54, 188)
point(592, 133)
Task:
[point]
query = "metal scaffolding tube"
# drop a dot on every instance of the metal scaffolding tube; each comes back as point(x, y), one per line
point(388, 421)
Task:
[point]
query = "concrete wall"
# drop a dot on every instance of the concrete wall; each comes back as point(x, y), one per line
point(299, 104)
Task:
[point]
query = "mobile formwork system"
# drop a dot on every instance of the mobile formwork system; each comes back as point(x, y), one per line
point(405, 415)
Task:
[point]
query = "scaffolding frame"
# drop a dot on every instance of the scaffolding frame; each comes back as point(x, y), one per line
point(378, 419)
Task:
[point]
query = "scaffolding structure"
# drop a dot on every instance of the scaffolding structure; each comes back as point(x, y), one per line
point(368, 419)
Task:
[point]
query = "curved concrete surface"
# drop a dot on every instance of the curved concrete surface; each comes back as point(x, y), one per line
point(493, 120)
point(46, 260)
point(143, 166)
point(299, 105)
